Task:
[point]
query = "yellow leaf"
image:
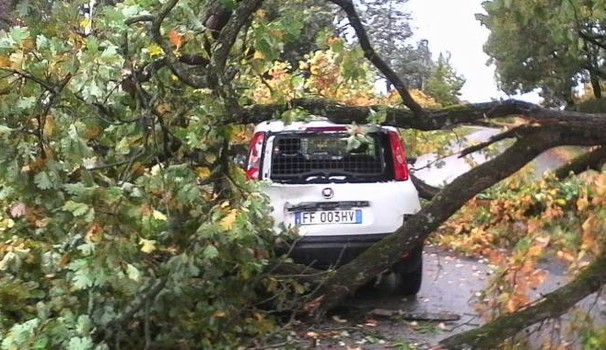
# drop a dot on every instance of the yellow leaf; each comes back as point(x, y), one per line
point(147, 245)
point(565, 255)
point(227, 223)
point(163, 108)
point(158, 215)
point(600, 186)
point(49, 125)
point(535, 250)
point(6, 223)
point(511, 305)
point(219, 313)
point(17, 59)
point(155, 50)
point(589, 224)
point(582, 202)
point(210, 157)
point(85, 23)
point(4, 61)
point(203, 172)
point(258, 55)
point(94, 232)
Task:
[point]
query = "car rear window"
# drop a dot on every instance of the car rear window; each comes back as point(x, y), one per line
point(329, 157)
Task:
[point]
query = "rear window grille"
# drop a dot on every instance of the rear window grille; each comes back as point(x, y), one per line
point(296, 157)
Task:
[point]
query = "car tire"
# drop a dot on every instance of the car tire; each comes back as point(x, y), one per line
point(408, 274)
point(409, 283)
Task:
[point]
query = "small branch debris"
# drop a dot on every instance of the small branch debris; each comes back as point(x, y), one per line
point(417, 316)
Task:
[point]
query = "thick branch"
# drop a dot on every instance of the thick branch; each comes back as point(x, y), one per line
point(594, 159)
point(375, 59)
point(137, 305)
point(433, 120)
point(45, 84)
point(511, 133)
point(387, 252)
point(426, 191)
point(552, 305)
point(171, 60)
point(229, 33)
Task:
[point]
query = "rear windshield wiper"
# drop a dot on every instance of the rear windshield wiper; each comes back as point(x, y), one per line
point(326, 174)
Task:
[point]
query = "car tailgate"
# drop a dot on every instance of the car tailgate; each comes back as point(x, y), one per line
point(344, 208)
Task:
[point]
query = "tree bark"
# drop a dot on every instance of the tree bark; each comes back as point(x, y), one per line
point(433, 119)
point(593, 159)
point(385, 253)
point(552, 305)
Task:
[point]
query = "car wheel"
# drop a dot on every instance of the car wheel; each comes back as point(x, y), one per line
point(408, 273)
point(409, 282)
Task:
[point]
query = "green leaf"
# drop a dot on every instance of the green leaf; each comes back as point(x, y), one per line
point(26, 102)
point(82, 280)
point(43, 181)
point(77, 209)
point(86, 248)
point(6, 42)
point(41, 344)
point(92, 44)
point(84, 325)
point(42, 42)
point(133, 273)
point(18, 34)
point(75, 188)
point(210, 252)
point(80, 343)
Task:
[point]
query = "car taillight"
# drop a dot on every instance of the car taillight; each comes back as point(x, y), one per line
point(399, 157)
point(253, 163)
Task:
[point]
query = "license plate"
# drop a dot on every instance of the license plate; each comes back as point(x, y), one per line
point(324, 217)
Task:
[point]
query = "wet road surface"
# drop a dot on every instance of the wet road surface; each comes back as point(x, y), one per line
point(377, 318)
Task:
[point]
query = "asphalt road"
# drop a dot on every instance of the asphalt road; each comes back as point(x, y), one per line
point(377, 318)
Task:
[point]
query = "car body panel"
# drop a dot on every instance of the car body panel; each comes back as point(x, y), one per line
point(388, 202)
point(380, 205)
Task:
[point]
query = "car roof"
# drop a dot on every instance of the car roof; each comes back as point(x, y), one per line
point(313, 122)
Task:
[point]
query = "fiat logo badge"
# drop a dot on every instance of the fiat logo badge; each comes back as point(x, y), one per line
point(328, 193)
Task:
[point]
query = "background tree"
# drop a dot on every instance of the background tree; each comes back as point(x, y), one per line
point(444, 85)
point(388, 26)
point(414, 65)
point(550, 45)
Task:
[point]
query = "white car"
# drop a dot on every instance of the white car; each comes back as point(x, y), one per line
point(344, 187)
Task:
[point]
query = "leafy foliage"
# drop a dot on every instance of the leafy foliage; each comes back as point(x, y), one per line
point(388, 27)
point(534, 220)
point(123, 221)
point(551, 45)
point(444, 85)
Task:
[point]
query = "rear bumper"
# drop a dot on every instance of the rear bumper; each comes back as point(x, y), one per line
point(322, 252)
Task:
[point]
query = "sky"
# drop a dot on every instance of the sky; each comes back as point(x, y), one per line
point(450, 26)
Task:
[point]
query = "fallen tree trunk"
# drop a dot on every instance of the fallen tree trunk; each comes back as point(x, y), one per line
point(531, 143)
point(593, 159)
point(552, 305)
point(433, 119)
